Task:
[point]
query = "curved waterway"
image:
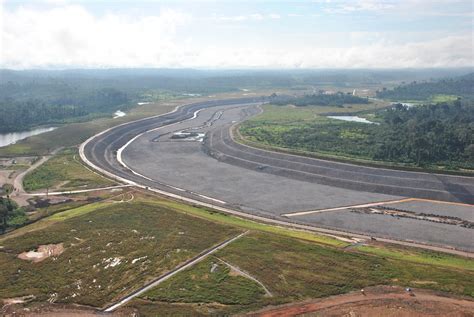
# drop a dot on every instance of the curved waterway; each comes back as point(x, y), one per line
point(13, 137)
point(352, 119)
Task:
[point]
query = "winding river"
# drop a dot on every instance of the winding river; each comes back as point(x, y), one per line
point(13, 137)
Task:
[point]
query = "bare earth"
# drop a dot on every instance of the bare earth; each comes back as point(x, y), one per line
point(43, 252)
point(377, 301)
point(58, 310)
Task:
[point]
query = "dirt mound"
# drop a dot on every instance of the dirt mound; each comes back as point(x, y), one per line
point(377, 301)
point(43, 252)
point(397, 307)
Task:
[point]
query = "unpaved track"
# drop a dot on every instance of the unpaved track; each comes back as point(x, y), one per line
point(247, 275)
point(335, 301)
point(79, 191)
point(18, 182)
point(20, 195)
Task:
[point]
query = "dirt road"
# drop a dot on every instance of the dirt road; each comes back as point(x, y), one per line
point(373, 297)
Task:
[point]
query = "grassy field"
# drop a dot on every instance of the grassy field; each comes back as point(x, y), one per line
point(209, 281)
point(308, 131)
point(295, 270)
point(443, 98)
point(268, 130)
point(64, 171)
point(395, 252)
point(418, 256)
point(250, 225)
point(151, 235)
point(143, 240)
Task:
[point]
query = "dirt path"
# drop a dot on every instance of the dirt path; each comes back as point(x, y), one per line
point(18, 181)
point(19, 193)
point(79, 191)
point(247, 275)
point(371, 296)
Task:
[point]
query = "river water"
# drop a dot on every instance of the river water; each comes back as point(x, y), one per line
point(13, 137)
point(119, 113)
point(352, 119)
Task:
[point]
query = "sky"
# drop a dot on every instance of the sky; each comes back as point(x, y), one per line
point(236, 34)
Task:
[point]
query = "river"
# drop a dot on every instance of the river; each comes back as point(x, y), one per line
point(352, 119)
point(13, 137)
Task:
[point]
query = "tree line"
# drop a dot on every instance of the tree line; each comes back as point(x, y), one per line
point(428, 135)
point(321, 99)
point(18, 114)
point(460, 86)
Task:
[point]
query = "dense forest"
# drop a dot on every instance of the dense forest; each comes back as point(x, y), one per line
point(11, 215)
point(429, 135)
point(338, 100)
point(461, 86)
point(39, 97)
point(21, 114)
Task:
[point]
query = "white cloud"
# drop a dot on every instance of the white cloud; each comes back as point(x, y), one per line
point(418, 7)
point(70, 36)
point(248, 17)
point(345, 7)
point(436, 53)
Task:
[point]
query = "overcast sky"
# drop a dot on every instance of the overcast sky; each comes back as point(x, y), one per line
point(236, 34)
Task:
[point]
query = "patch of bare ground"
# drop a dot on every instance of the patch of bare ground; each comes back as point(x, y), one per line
point(43, 252)
point(59, 310)
point(377, 301)
point(18, 300)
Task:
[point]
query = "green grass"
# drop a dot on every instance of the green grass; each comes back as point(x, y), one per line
point(274, 128)
point(148, 308)
point(293, 265)
point(201, 285)
point(389, 251)
point(307, 131)
point(251, 225)
point(64, 171)
point(443, 98)
point(79, 211)
point(289, 114)
point(295, 270)
point(95, 233)
point(419, 256)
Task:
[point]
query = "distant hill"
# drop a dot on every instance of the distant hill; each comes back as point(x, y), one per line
point(460, 86)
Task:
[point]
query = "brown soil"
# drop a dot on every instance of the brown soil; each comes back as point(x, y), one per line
point(59, 310)
point(377, 301)
point(43, 252)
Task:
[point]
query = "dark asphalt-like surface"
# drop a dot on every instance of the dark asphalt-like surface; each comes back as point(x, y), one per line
point(268, 183)
point(391, 182)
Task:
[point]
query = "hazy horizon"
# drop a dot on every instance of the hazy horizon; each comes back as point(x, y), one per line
point(268, 35)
